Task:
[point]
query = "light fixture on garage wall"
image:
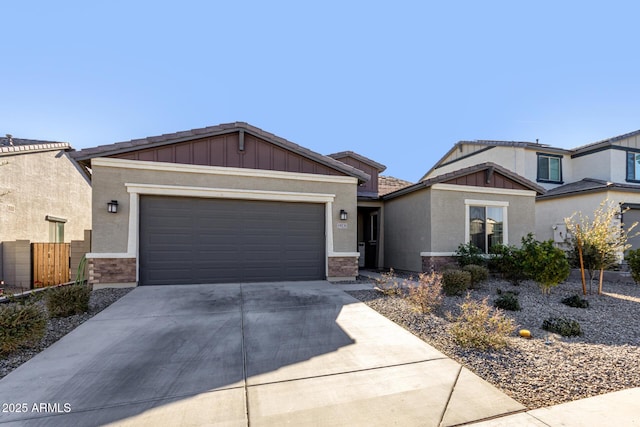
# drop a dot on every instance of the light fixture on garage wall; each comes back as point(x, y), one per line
point(343, 215)
point(112, 206)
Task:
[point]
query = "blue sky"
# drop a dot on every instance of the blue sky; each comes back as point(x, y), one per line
point(399, 82)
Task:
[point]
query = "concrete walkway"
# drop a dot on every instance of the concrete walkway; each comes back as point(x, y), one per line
point(611, 409)
point(255, 354)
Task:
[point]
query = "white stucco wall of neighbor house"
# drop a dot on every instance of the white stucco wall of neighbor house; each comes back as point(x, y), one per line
point(552, 212)
point(512, 158)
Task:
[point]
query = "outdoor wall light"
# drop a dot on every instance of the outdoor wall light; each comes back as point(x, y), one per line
point(112, 206)
point(343, 215)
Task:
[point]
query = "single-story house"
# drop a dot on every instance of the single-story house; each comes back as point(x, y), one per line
point(45, 197)
point(485, 204)
point(226, 203)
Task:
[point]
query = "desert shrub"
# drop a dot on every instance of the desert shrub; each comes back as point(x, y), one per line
point(426, 296)
point(507, 262)
point(389, 283)
point(563, 326)
point(544, 263)
point(478, 273)
point(21, 325)
point(469, 254)
point(455, 282)
point(633, 260)
point(481, 326)
point(507, 301)
point(68, 300)
point(575, 301)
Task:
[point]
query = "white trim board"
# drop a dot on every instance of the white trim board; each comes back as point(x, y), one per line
point(227, 193)
point(219, 170)
point(484, 190)
point(437, 253)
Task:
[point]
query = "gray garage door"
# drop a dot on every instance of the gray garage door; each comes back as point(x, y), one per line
point(628, 218)
point(190, 240)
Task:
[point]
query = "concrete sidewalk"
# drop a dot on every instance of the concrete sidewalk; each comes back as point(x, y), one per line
point(259, 354)
point(611, 409)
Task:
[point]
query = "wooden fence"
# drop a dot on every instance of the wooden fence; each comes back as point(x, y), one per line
point(51, 263)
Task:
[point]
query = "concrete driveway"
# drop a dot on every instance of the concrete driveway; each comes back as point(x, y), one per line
point(260, 354)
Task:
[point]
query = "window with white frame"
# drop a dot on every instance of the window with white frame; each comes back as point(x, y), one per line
point(486, 223)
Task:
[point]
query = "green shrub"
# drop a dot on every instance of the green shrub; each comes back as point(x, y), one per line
point(478, 273)
point(469, 254)
point(21, 325)
point(575, 301)
point(426, 296)
point(68, 300)
point(544, 263)
point(507, 301)
point(507, 262)
point(455, 282)
point(563, 326)
point(480, 326)
point(633, 260)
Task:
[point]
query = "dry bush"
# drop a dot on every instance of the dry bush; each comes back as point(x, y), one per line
point(427, 295)
point(480, 326)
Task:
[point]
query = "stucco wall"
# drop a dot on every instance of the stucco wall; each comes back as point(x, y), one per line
point(407, 230)
point(600, 165)
point(448, 217)
point(523, 161)
point(110, 231)
point(512, 158)
point(40, 184)
point(553, 211)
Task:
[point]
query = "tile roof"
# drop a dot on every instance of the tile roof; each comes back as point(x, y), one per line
point(221, 129)
point(604, 142)
point(389, 184)
point(466, 171)
point(588, 185)
point(20, 145)
point(359, 157)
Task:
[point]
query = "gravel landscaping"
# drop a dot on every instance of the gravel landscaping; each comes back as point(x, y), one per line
point(59, 327)
point(547, 369)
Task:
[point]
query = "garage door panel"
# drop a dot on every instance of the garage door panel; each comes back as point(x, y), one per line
point(189, 240)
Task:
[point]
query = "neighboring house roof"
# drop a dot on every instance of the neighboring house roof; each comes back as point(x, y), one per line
point(602, 143)
point(488, 166)
point(389, 184)
point(488, 144)
point(359, 157)
point(587, 185)
point(87, 154)
point(10, 145)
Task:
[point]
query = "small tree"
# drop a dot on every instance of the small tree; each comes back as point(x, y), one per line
point(544, 263)
point(601, 240)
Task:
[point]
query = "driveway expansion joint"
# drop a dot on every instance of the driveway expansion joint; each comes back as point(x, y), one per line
point(347, 372)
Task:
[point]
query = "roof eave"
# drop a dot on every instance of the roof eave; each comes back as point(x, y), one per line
point(85, 156)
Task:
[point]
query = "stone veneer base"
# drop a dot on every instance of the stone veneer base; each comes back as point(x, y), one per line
point(342, 266)
point(112, 271)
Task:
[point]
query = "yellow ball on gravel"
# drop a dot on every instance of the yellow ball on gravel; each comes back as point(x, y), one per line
point(525, 333)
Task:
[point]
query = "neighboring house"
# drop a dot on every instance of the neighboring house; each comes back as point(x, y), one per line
point(485, 203)
point(45, 196)
point(227, 203)
point(576, 180)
